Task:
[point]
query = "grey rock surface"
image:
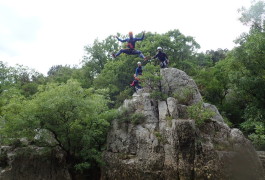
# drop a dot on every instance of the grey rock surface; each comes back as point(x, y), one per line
point(32, 163)
point(167, 144)
point(261, 155)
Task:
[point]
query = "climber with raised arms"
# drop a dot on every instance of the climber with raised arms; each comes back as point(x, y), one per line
point(130, 50)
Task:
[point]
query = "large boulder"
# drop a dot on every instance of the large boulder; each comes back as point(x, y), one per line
point(167, 144)
point(261, 155)
point(32, 163)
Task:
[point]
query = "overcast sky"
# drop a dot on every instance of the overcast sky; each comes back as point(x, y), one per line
point(41, 34)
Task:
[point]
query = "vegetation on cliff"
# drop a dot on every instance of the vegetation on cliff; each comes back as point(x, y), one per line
point(75, 104)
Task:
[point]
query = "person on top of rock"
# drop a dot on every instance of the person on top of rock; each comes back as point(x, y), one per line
point(162, 57)
point(130, 50)
point(139, 70)
point(136, 83)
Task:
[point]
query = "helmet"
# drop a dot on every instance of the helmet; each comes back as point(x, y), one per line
point(139, 62)
point(159, 48)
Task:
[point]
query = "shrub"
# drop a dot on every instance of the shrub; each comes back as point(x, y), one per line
point(199, 113)
point(184, 96)
point(258, 138)
point(157, 95)
point(137, 118)
point(160, 137)
point(169, 120)
point(151, 77)
point(127, 115)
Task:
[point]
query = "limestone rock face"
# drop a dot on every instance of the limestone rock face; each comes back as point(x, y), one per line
point(261, 155)
point(32, 163)
point(167, 144)
point(175, 81)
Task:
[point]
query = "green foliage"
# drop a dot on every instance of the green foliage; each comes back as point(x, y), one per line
point(254, 126)
point(258, 137)
point(137, 118)
point(157, 95)
point(254, 16)
point(227, 121)
point(151, 81)
point(116, 79)
point(77, 118)
point(125, 94)
point(124, 114)
point(180, 47)
point(169, 120)
point(128, 115)
point(189, 66)
point(249, 83)
point(236, 83)
point(97, 55)
point(22, 78)
point(184, 96)
point(217, 55)
point(61, 74)
point(214, 82)
point(199, 113)
point(5, 77)
point(160, 137)
point(151, 77)
point(116, 75)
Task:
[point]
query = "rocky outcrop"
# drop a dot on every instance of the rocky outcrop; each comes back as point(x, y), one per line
point(261, 155)
point(167, 144)
point(32, 163)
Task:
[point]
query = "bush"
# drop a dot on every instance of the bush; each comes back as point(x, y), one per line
point(151, 77)
point(258, 138)
point(199, 113)
point(169, 120)
point(127, 115)
point(157, 95)
point(137, 118)
point(184, 96)
point(160, 137)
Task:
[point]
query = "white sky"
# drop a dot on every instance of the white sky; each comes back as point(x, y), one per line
point(40, 34)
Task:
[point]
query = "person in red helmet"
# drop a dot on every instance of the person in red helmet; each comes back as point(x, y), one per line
point(130, 50)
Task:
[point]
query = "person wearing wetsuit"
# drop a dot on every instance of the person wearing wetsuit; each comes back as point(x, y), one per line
point(136, 83)
point(138, 70)
point(162, 57)
point(130, 50)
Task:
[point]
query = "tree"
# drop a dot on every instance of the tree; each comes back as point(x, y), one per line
point(5, 79)
point(97, 54)
point(76, 118)
point(20, 77)
point(254, 16)
point(61, 74)
point(181, 47)
point(249, 79)
point(117, 74)
point(217, 55)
